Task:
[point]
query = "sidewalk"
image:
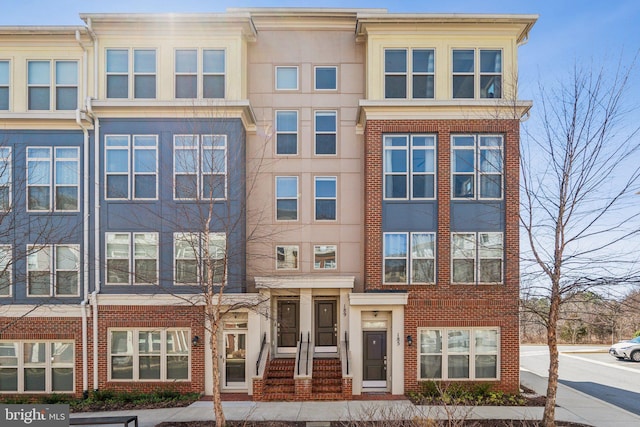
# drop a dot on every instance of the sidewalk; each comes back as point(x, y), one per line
point(572, 406)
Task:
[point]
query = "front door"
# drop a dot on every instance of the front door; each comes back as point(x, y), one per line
point(375, 359)
point(235, 358)
point(288, 324)
point(326, 339)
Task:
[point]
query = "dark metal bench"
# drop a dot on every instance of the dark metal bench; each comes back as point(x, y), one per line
point(122, 419)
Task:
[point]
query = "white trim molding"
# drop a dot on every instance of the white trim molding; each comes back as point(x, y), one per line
point(305, 282)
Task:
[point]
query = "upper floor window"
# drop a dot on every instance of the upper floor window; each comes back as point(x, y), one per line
point(191, 252)
point(467, 76)
point(6, 270)
point(287, 198)
point(477, 257)
point(144, 73)
point(132, 258)
point(53, 171)
point(409, 72)
point(53, 270)
point(6, 178)
point(325, 132)
point(450, 354)
point(326, 198)
point(65, 90)
point(326, 78)
point(324, 257)
point(37, 366)
point(286, 78)
point(200, 167)
point(131, 171)
point(149, 354)
point(189, 78)
point(409, 167)
point(287, 132)
point(477, 161)
point(4, 85)
point(416, 262)
point(287, 257)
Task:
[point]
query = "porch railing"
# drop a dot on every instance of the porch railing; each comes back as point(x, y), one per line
point(300, 357)
point(262, 346)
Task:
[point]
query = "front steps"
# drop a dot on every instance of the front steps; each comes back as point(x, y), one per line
point(326, 383)
point(279, 383)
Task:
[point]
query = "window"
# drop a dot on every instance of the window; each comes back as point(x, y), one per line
point(325, 132)
point(409, 171)
point(190, 252)
point(63, 170)
point(143, 164)
point(287, 132)
point(477, 158)
point(39, 85)
point(422, 73)
point(286, 78)
point(149, 354)
point(213, 73)
point(326, 198)
point(326, 78)
point(200, 167)
point(4, 85)
point(396, 258)
point(144, 73)
point(455, 354)
point(477, 257)
point(126, 266)
point(53, 270)
point(37, 366)
point(6, 271)
point(464, 73)
point(287, 257)
point(324, 257)
point(6, 178)
point(287, 198)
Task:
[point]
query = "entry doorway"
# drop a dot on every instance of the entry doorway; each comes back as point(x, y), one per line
point(326, 326)
point(288, 325)
point(374, 363)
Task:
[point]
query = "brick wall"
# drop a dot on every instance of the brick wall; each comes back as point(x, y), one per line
point(445, 304)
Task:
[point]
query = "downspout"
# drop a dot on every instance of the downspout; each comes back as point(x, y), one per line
point(85, 363)
point(94, 302)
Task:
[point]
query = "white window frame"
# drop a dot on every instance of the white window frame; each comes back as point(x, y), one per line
point(48, 85)
point(490, 73)
point(317, 198)
point(117, 73)
point(176, 73)
point(135, 354)
point(409, 149)
point(413, 257)
point(197, 240)
point(52, 268)
point(7, 84)
point(287, 248)
point(199, 145)
point(477, 259)
point(147, 73)
point(131, 258)
point(409, 257)
point(316, 264)
point(57, 86)
point(131, 71)
point(287, 67)
point(477, 72)
point(6, 268)
point(405, 257)
point(472, 353)
point(54, 159)
point(287, 132)
point(214, 73)
point(6, 177)
point(200, 73)
point(409, 72)
point(48, 365)
point(297, 198)
point(315, 77)
point(316, 132)
point(477, 172)
point(132, 151)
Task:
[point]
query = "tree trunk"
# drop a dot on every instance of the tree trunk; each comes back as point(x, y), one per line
point(215, 361)
point(549, 418)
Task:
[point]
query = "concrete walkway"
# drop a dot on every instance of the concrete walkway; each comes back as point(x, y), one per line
point(572, 406)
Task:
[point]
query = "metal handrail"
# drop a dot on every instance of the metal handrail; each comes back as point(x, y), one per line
point(299, 352)
point(308, 342)
point(264, 342)
point(346, 345)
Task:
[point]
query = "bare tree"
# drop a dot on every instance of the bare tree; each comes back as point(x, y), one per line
point(578, 207)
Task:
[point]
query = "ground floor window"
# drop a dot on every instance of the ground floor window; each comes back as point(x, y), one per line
point(459, 354)
point(149, 354)
point(37, 366)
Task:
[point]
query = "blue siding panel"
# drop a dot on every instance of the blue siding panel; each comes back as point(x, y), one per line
point(477, 216)
point(409, 216)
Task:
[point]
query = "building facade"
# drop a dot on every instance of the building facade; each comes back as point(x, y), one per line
point(349, 178)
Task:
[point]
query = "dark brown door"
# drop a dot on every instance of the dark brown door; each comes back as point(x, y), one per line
point(326, 323)
point(288, 323)
point(375, 356)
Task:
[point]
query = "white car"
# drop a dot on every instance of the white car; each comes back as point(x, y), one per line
point(628, 349)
